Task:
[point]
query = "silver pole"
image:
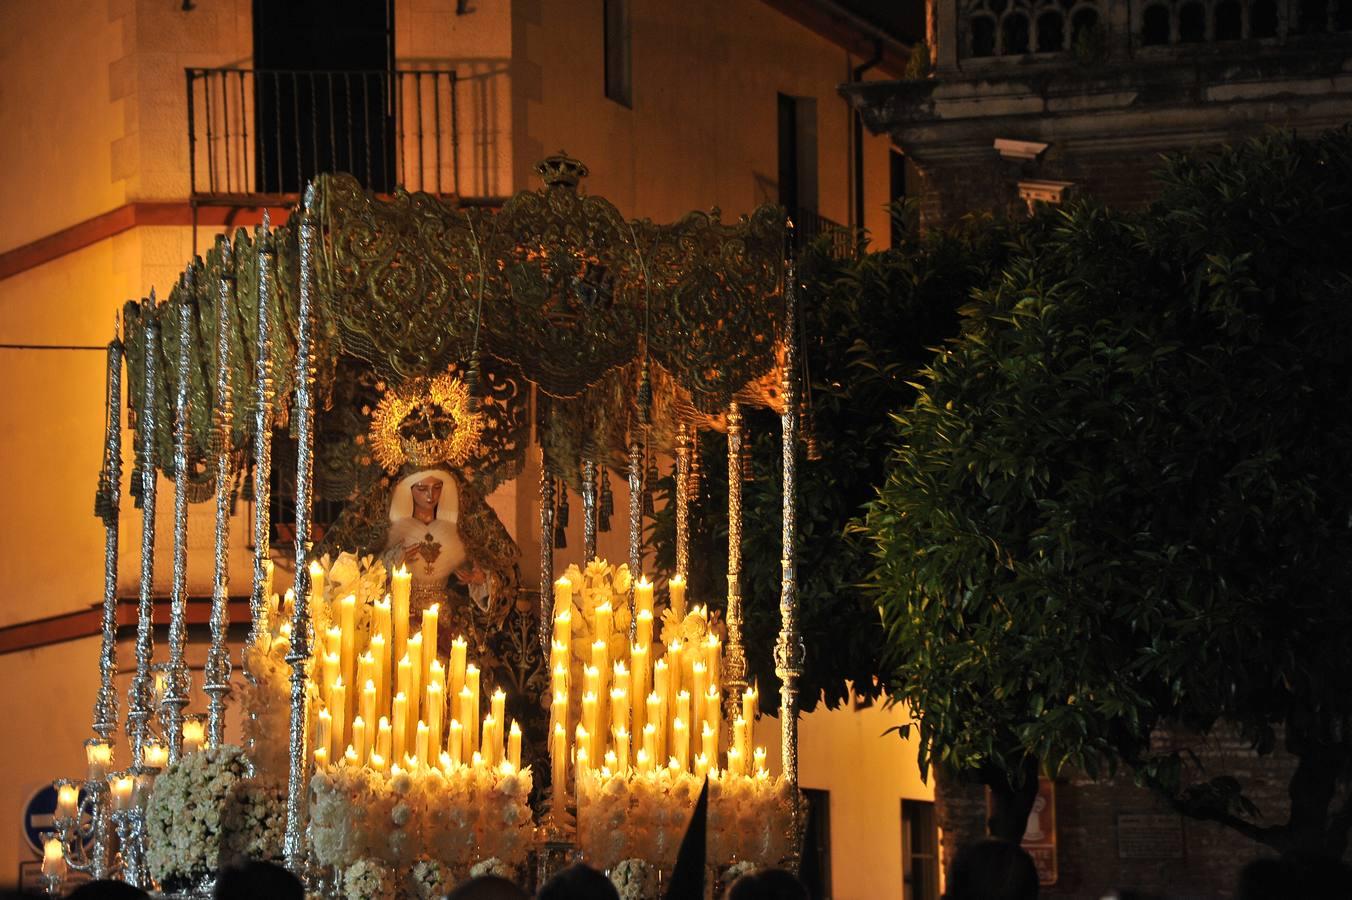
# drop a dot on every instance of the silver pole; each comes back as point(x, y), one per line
point(588, 510)
point(262, 481)
point(546, 555)
point(142, 688)
point(299, 657)
point(789, 649)
point(105, 706)
point(177, 685)
point(734, 661)
point(635, 527)
point(683, 501)
point(217, 684)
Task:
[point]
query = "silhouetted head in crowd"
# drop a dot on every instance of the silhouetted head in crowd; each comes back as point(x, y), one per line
point(255, 880)
point(487, 887)
point(578, 882)
point(1308, 878)
point(108, 890)
point(767, 884)
point(992, 870)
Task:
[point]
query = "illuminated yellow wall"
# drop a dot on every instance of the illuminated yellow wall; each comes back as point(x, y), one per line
point(92, 113)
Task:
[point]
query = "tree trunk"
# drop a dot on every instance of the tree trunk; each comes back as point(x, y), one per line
point(1010, 803)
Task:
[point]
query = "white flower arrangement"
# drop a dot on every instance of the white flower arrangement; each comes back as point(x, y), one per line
point(644, 816)
point(368, 879)
point(738, 869)
point(634, 879)
point(204, 812)
point(429, 879)
point(491, 866)
point(600, 583)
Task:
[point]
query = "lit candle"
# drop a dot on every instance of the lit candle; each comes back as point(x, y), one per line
point(316, 584)
point(155, 755)
point(477, 760)
point(347, 621)
point(490, 745)
point(332, 668)
point(582, 740)
point(499, 706)
point(445, 762)
point(454, 737)
point(340, 720)
point(506, 767)
point(619, 709)
point(676, 584)
point(603, 614)
point(67, 800)
point(661, 682)
point(713, 658)
point(369, 699)
point(680, 739)
point(430, 617)
point(98, 757)
point(643, 595)
point(379, 647)
point(657, 722)
point(366, 671)
point(622, 747)
point(194, 735)
point(323, 732)
point(739, 738)
point(644, 631)
point(558, 710)
point(350, 757)
point(649, 751)
point(558, 756)
point(514, 745)
point(457, 665)
point(563, 601)
point(321, 757)
point(122, 786)
point(638, 684)
point(612, 762)
point(734, 761)
point(399, 728)
point(472, 723)
point(699, 692)
point(701, 766)
point(381, 625)
point(675, 668)
point(403, 676)
point(379, 761)
point(359, 745)
point(750, 704)
point(589, 713)
point(401, 583)
point(384, 741)
point(53, 859)
point(435, 708)
point(415, 658)
point(558, 680)
point(580, 761)
point(760, 762)
point(681, 713)
point(467, 714)
point(713, 702)
point(600, 658)
point(709, 742)
point(423, 740)
point(643, 761)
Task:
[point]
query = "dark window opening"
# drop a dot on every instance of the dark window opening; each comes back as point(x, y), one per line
point(282, 511)
point(815, 869)
point(1050, 33)
point(1228, 24)
point(1155, 25)
point(1263, 19)
point(1192, 23)
point(919, 851)
point(1314, 16)
point(983, 36)
point(1082, 23)
point(323, 92)
point(1014, 30)
point(798, 154)
point(1342, 16)
point(619, 84)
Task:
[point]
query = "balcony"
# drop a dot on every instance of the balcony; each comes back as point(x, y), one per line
point(257, 136)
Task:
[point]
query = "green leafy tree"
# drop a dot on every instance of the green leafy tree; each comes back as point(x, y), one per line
point(867, 325)
point(1122, 500)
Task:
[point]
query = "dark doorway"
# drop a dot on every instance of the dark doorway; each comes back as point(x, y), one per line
point(323, 92)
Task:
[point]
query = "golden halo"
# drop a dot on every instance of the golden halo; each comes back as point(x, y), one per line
point(392, 445)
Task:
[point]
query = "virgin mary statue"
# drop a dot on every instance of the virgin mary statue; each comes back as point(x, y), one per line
point(425, 534)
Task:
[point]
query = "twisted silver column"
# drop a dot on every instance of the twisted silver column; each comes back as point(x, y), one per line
point(789, 649)
point(683, 501)
point(546, 555)
point(588, 510)
point(635, 527)
point(299, 657)
point(176, 687)
point(262, 480)
point(105, 705)
point(142, 689)
point(217, 684)
point(734, 657)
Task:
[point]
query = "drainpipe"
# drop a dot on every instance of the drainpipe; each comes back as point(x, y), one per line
point(857, 75)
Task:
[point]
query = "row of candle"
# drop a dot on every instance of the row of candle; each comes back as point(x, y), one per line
point(679, 716)
point(409, 708)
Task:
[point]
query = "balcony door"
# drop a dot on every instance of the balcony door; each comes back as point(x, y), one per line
point(324, 94)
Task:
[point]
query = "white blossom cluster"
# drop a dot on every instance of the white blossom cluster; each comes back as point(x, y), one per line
point(368, 879)
point(203, 812)
point(644, 816)
point(429, 879)
point(492, 866)
point(454, 819)
point(634, 879)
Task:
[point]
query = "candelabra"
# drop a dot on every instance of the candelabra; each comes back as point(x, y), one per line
point(78, 801)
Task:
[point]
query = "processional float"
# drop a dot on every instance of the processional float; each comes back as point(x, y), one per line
point(446, 334)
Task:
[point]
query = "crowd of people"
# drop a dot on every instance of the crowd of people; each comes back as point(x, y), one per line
point(986, 870)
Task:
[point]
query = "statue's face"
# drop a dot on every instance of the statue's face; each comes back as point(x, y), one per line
point(426, 495)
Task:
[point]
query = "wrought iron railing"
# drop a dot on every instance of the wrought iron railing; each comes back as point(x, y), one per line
point(269, 131)
point(809, 225)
